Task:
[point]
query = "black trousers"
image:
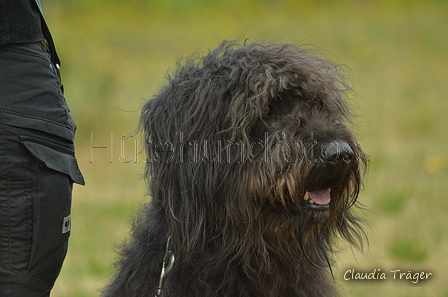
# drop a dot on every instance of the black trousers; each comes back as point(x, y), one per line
point(37, 170)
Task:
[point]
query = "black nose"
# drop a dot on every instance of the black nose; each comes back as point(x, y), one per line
point(338, 152)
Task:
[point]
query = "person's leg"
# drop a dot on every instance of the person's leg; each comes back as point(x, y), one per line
point(37, 170)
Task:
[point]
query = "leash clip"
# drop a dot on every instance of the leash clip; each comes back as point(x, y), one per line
point(168, 262)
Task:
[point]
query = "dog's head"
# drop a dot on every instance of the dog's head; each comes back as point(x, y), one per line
point(252, 140)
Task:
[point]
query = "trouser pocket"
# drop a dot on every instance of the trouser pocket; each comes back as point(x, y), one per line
point(38, 171)
point(55, 170)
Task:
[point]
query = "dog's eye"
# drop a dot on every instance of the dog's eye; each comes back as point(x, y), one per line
point(267, 111)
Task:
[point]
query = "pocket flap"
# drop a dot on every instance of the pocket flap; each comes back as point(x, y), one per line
point(55, 157)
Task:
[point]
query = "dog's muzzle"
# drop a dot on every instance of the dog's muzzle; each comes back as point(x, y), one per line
point(336, 155)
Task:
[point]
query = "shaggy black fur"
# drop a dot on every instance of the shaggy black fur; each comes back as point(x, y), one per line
point(235, 141)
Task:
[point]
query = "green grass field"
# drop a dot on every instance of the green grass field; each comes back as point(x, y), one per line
point(116, 54)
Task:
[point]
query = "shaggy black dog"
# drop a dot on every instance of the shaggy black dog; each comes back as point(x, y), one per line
point(253, 172)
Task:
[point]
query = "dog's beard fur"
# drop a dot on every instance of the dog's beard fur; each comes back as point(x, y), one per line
point(233, 143)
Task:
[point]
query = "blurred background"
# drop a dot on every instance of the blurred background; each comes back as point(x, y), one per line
point(116, 54)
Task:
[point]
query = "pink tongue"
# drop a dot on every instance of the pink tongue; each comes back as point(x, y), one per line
point(320, 196)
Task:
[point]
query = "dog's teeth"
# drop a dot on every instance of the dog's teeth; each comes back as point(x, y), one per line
point(311, 201)
point(306, 196)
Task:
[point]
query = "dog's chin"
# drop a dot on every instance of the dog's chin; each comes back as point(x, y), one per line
point(312, 207)
point(309, 209)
